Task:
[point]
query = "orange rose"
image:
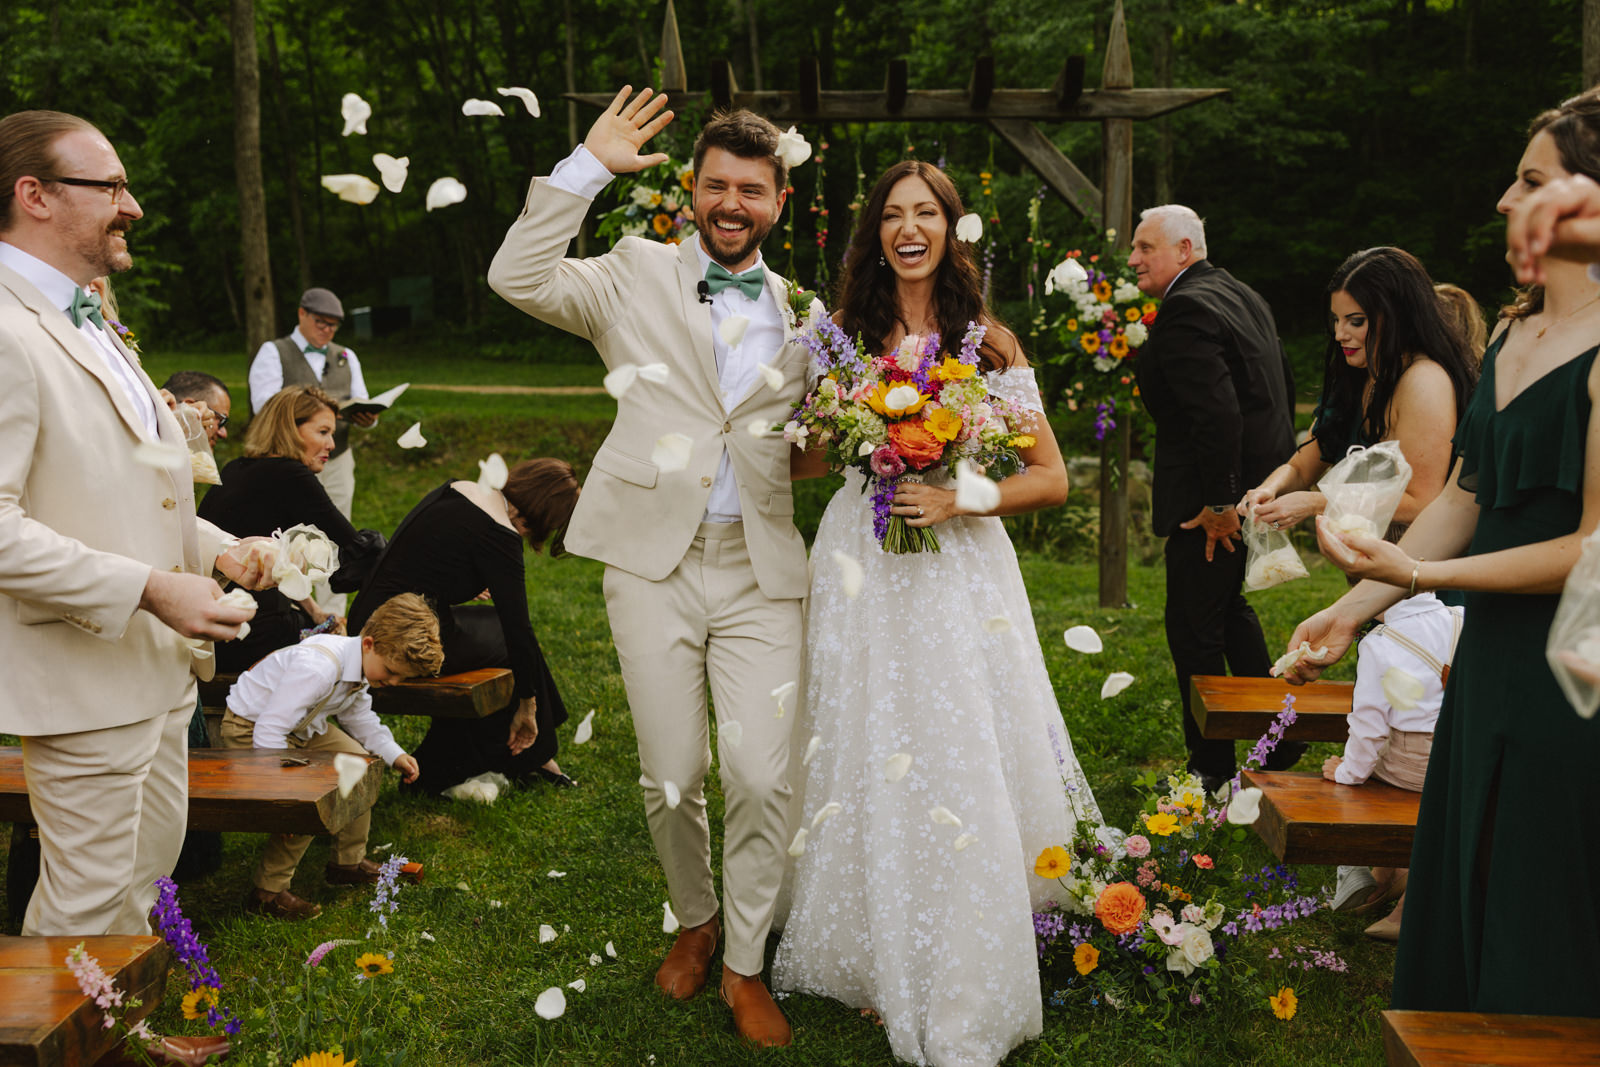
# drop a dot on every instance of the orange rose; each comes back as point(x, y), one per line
point(1120, 908)
point(919, 448)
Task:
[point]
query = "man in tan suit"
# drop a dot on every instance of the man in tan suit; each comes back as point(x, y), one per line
point(705, 570)
point(104, 569)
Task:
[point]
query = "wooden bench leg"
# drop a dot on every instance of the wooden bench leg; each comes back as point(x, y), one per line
point(22, 871)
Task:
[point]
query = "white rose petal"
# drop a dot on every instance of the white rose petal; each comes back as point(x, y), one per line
point(793, 148)
point(850, 574)
point(798, 845)
point(975, 494)
point(444, 192)
point(611, 950)
point(585, 729)
point(1244, 807)
point(811, 749)
point(552, 1004)
point(621, 380)
point(1402, 688)
point(392, 171)
point(865, 448)
point(492, 472)
point(672, 452)
point(594, 959)
point(670, 791)
point(556, 874)
point(669, 921)
point(529, 101)
point(355, 112)
point(496, 904)
point(1083, 639)
point(1352, 523)
point(351, 769)
point(783, 694)
point(578, 984)
point(294, 585)
point(772, 376)
point(1115, 683)
point(161, 457)
point(732, 329)
point(351, 188)
point(896, 766)
point(732, 733)
point(961, 842)
point(547, 933)
point(1295, 655)
point(997, 624)
point(655, 372)
point(826, 812)
point(427, 936)
point(761, 428)
point(481, 107)
point(412, 438)
point(944, 816)
point(969, 228)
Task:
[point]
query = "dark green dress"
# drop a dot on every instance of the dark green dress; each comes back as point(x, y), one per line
point(1513, 768)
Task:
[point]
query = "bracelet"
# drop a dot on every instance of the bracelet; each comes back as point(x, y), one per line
point(1415, 568)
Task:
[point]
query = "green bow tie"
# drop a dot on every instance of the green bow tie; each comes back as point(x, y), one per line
point(317, 348)
point(750, 283)
point(85, 306)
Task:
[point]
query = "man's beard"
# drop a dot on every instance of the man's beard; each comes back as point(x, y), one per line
point(103, 253)
point(752, 240)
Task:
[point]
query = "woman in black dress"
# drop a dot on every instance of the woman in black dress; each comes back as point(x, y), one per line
point(463, 540)
point(273, 487)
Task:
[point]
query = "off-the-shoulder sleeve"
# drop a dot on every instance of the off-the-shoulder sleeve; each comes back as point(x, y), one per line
point(1018, 386)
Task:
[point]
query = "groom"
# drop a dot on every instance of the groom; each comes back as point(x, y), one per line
point(704, 569)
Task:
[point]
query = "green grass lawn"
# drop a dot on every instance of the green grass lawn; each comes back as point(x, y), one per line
point(467, 995)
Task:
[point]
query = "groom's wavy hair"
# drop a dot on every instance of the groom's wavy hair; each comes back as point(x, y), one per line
point(865, 296)
point(1574, 125)
point(746, 135)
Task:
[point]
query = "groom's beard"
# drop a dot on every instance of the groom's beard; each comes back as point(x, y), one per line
point(733, 249)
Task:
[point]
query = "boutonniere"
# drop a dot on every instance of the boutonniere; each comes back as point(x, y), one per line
point(125, 335)
point(799, 304)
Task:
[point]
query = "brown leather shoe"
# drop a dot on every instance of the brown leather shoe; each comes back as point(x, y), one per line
point(189, 1051)
point(683, 973)
point(754, 1013)
point(284, 905)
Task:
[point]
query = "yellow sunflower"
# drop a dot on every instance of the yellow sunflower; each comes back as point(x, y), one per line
point(371, 964)
point(686, 178)
point(323, 1059)
point(1118, 346)
point(1072, 325)
point(198, 1002)
point(1102, 291)
point(662, 224)
point(1090, 343)
point(1133, 314)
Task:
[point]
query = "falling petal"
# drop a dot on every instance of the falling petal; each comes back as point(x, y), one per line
point(412, 438)
point(529, 101)
point(444, 192)
point(732, 330)
point(997, 624)
point(1084, 639)
point(585, 730)
point(944, 816)
point(798, 845)
point(850, 574)
point(1115, 683)
point(670, 791)
point(351, 770)
point(475, 107)
point(975, 493)
point(557, 874)
point(355, 112)
point(772, 376)
point(811, 749)
point(492, 472)
point(552, 1004)
point(762, 428)
point(161, 457)
point(351, 188)
point(391, 170)
point(961, 842)
point(621, 380)
point(655, 372)
point(611, 950)
point(969, 228)
point(826, 812)
point(672, 452)
point(669, 921)
point(865, 448)
point(578, 984)
point(783, 694)
point(1245, 806)
point(896, 766)
point(1402, 688)
point(547, 933)
point(731, 732)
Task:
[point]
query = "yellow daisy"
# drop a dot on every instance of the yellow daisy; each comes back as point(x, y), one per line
point(1053, 862)
point(323, 1059)
point(1085, 958)
point(371, 964)
point(1284, 1003)
point(198, 1002)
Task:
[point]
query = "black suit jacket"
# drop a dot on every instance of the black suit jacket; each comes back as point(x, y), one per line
point(1214, 377)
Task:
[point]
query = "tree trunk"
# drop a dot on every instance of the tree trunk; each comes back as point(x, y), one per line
point(1163, 78)
point(253, 250)
point(1591, 42)
point(572, 109)
point(755, 47)
point(291, 165)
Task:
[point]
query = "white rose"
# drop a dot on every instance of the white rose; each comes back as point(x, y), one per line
point(1136, 333)
point(642, 196)
point(1197, 947)
point(793, 148)
point(900, 397)
point(1193, 913)
point(1065, 275)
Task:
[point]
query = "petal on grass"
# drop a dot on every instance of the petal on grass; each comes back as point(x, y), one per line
point(444, 192)
point(826, 812)
point(731, 732)
point(529, 101)
point(351, 769)
point(392, 171)
point(476, 107)
point(412, 438)
point(611, 950)
point(733, 328)
point(1115, 683)
point(896, 766)
point(585, 729)
point(669, 921)
point(552, 1003)
point(547, 933)
point(850, 573)
point(492, 472)
point(798, 845)
point(783, 694)
point(557, 874)
point(594, 959)
point(976, 494)
point(944, 816)
point(672, 452)
point(578, 984)
point(355, 112)
point(1084, 639)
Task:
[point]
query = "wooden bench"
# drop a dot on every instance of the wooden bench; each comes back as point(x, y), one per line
point(45, 1020)
point(469, 695)
point(1307, 819)
point(1231, 708)
point(1454, 1039)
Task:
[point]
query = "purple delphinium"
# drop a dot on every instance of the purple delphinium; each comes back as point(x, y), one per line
point(1103, 422)
point(882, 501)
point(971, 343)
point(384, 902)
point(175, 930)
point(1047, 927)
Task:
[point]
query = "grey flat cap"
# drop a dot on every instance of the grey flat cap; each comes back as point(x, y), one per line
point(322, 302)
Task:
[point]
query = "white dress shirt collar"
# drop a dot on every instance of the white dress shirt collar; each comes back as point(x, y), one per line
point(56, 287)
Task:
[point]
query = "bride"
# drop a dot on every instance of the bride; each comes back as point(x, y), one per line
point(925, 922)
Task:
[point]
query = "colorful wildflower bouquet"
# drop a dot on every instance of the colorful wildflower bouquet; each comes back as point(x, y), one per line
point(1155, 914)
point(656, 205)
point(1109, 318)
point(899, 416)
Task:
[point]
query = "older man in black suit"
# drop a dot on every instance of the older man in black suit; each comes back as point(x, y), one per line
point(1214, 377)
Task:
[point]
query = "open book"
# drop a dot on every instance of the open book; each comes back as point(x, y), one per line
point(374, 404)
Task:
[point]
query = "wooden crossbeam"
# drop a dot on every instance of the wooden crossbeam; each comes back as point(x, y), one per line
point(1455, 1039)
point(981, 87)
point(896, 84)
point(1058, 172)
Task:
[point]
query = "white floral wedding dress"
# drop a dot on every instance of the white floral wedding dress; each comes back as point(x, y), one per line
point(892, 908)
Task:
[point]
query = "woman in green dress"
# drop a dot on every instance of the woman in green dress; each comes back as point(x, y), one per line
point(1503, 908)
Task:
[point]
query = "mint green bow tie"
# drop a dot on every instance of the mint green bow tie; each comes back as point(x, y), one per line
point(750, 283)
point(85, 306)
point(317, 348)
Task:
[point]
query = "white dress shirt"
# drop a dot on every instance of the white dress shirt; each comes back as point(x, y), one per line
point(737, 365)
point(277, 693)
point(59, 289)
point(266, 371)
point(1432, 625)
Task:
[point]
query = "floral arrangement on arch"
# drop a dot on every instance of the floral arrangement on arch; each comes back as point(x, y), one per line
point(1157, 914)
point(1101, 331)
point(657, 204)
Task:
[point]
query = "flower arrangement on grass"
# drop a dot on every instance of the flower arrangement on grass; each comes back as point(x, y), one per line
point(1154, 914)
point(901, 415)
point(656, 205)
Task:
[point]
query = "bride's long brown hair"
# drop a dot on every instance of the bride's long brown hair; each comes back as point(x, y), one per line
point(866, 293)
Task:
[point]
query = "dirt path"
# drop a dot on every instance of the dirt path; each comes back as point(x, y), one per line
point(518, 390)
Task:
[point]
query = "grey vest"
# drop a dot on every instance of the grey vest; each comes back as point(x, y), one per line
point(335, 380)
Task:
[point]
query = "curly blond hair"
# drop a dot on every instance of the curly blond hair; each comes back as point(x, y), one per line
point(405, 632)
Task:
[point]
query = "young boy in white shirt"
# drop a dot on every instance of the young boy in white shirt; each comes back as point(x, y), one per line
point(1401, 670)
point(286, 701)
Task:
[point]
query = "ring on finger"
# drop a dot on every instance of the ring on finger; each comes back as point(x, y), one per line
point(919, 513)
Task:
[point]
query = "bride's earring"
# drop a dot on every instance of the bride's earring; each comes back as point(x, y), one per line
point(882, 261)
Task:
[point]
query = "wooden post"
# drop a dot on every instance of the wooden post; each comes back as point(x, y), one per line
point(674, 75)
point(1117, 189)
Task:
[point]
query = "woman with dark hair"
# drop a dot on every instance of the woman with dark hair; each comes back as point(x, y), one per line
point(274, 486)
point(1509, 793)
point(461, 541)
point(891, 911)
point(1398, 368)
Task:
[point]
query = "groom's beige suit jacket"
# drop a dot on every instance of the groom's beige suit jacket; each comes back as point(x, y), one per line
point(638, 304)
point(81, 525)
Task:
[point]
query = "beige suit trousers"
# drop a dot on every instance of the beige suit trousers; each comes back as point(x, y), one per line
point(112, 806)
point(708, 620)
point(282, 855)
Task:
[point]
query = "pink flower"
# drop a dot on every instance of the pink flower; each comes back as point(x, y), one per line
point(1166, 929)
point(886, 462)
point(1138, 846)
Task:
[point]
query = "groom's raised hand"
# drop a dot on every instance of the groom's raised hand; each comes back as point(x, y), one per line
point(624, 127)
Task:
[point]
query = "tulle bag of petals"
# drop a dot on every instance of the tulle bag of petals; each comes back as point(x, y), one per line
point(1364, 489)
point(202, 463)
point(1269, 557)
point(1573, 647)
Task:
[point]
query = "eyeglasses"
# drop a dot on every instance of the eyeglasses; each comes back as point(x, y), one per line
point(118, 186)
point(325, 324)
point(222, 420)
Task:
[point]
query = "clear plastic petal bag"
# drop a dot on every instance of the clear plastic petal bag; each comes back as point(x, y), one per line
point(1573, 646)
point(1270, 558)
point(1364, 489)
point(202, 463)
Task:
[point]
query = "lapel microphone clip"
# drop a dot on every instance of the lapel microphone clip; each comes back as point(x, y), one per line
point(704, 289)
